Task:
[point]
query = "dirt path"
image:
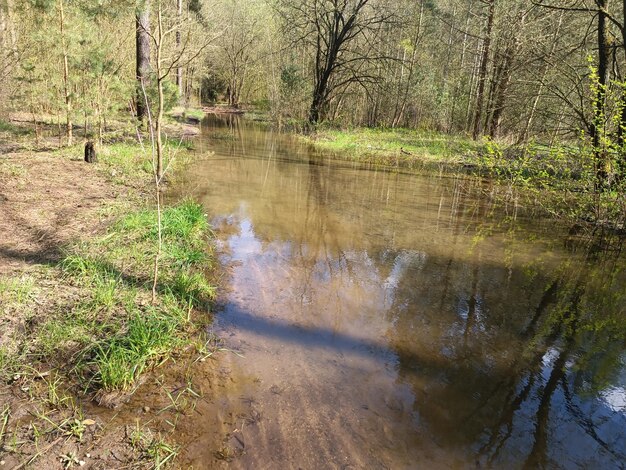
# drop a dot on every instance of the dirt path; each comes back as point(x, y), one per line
point(47, 201)
point(51, 199)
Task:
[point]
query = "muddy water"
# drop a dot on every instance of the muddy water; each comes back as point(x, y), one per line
point(389, 320)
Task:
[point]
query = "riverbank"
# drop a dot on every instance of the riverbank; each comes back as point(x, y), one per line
point(78, 321)
point(404, 148)
point(560, 180)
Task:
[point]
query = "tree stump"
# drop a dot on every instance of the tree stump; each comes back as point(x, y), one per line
point(90, 153)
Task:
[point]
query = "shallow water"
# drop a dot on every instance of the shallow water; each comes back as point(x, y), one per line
point(390, 320)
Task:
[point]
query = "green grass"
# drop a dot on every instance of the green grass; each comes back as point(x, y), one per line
point(128, 159)
point(151, 334)
point(17, 290)
point(117, 271)
point(58, 335)
point(179, 112)
point(108, 331)
point(403, 147)
point(194, 113)
point(9, 127)
point(126, 163)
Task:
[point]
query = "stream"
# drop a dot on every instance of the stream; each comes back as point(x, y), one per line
point(386, 319)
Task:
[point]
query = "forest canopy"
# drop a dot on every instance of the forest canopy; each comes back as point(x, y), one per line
point(506, 69)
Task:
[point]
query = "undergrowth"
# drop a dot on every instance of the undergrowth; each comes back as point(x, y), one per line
point(119, 331)
point(396, 147)
point(105, 330)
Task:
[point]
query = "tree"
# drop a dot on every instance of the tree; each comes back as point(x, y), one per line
point(404, 83)
point(66, 75)
point(236, 50)
point(599, 111)
point(342, 35)
point(482, 74)
point(142, 41)
point(599, 124)
point(8, 42)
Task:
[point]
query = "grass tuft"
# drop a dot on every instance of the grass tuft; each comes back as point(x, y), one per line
point(117, 270)
point(17, 290)
point(192, 287)
point(121, 360)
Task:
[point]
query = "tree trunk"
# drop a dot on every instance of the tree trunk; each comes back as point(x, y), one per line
point(405, 95)
point(478, 112)
point(500, 99)
point(494, 82)
point(621, 132)
point(7, 29)
point(157, 131)
point(458, 85)
point(142, 42)
point(471, 89)
point(533, 108)
point(161, 99)
point(318, 100)
point(66, 77)
point(90, 153)
point(601, 163)
point(511, 51)
point(179, 69)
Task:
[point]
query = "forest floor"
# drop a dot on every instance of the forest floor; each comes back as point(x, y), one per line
point(77, 323)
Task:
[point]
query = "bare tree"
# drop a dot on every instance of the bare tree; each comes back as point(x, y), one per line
point(342, 34)
point(482, 74)
point(236, 50)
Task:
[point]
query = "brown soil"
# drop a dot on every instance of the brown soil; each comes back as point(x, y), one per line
point(48, 201)
point(45, 202)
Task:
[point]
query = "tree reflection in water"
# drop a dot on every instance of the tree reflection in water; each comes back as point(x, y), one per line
point(508, 332)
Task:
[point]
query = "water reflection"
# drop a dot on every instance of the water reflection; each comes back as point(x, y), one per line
point(443, 329)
